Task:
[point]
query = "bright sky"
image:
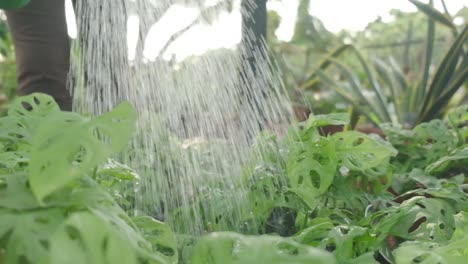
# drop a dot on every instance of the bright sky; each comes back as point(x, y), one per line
point(225, 33)
point(349, 14)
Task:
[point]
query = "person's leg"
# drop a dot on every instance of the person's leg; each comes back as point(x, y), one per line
point(42, 47)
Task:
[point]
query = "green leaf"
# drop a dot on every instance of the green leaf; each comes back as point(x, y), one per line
point(86, 239)
point(15, 194)
point(351, 98)
point(419, 147)
point(314, 234)
point(323, 64)
point(444, 163)
point(12, 4)
point(28, 234)
point(333, 119)
point(445, 72)
point(231, 248)
point(458, 121)
point(427, 60)
point(60, 156)
point(160, 236)
point(311, 168)
point(118, 171)
point(350, 242)
point(24, 116)
point(434, 14)
point(420, 218)
point(362, 152)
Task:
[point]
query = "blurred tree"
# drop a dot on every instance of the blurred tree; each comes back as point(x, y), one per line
point(403, 38)
point(253, 53)
point(7, 65)
point(273, 23)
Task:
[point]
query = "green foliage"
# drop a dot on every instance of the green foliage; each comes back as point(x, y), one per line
point(453, 252)
point(343, 198)
point(231, 248)
point(12, 4)
point(388, 92)
point(7, 67)
point(348, 194)
point(314, 161)
point(422, 145)
point(52, 209)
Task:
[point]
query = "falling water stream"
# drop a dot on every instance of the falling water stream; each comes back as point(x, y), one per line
point(197, 118)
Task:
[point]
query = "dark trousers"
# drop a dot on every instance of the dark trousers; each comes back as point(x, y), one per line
point(42, 46)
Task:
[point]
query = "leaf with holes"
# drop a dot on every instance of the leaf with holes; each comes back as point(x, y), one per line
point(231, 248)
point(12, 160)
point(118, 171)
point(311, 168)
point(24, 116)
point(363, 153)
point(420, 218)
point(458, 120)
point(419, 147)
point(415, 252)
point(313, 234)
point(349, 243)
point(160, 236)
point(67, 145)
point(15, 193)
point(457, 158)
point(26, 234)
point(334, 119)
point(84, 238)
point(16, 129)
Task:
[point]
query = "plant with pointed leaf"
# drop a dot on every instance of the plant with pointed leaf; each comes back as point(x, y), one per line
point(392, 97)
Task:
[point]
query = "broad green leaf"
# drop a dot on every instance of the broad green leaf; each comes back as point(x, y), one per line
point(420, 218)
point(444, 163)
point(458, 121)
point(11, 160)
point(453, 252)
point(15, 194)
point(24, 116)
point(461, 224)
point(77, 222)
point(160, 236)
point(362, 152)
point(311, 168)
point(314, 234)
point(12, 4)
point(231, 248)
point(334, 119)
point(118, 171)
point(350, 243)
point(28, 234)
point(60, 156)
point(86, 239)
point(419, 147)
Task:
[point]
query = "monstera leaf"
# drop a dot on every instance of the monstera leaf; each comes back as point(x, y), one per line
point(12, 4)
point(231, 248)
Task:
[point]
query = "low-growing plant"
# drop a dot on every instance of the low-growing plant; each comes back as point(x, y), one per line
point(387, 94)
point(58, 196)
point(356, 195)
point(341, 198)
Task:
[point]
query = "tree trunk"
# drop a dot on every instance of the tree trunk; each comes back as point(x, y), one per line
point(253, 54)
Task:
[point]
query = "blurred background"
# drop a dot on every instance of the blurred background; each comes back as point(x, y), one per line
point(398, 61)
